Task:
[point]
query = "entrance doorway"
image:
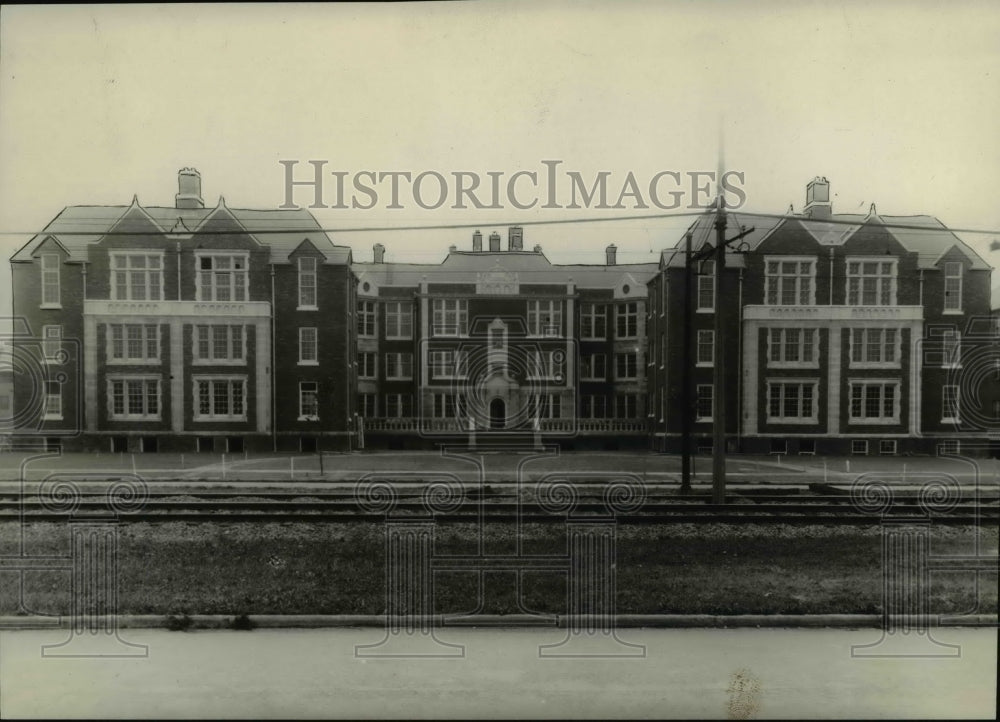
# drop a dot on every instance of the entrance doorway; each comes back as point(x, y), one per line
point(498, 414)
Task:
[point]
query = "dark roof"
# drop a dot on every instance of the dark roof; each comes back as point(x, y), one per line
point(77, 227)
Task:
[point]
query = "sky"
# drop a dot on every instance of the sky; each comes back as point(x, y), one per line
point(100, 103)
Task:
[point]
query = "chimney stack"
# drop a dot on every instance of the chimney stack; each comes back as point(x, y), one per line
point(818, 203)
point(477, 241)
point(610, 252)
point(515, 238)
point(188, 189)
point(378, 252)
point(494, 241)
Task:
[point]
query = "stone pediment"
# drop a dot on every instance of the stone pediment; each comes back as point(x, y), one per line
point(498, 281)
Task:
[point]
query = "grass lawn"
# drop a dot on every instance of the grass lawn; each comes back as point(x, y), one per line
point(303, 568)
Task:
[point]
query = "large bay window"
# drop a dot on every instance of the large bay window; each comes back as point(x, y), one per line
point(871, 282)
point(136, 276)
point(790, 281)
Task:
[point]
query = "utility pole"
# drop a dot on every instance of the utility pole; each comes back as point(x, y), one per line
point(686, 372)
point(718, 367)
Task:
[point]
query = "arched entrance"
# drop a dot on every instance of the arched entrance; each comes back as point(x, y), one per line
point(498, 414)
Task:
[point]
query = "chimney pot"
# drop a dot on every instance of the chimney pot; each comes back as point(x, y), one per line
point(477, 242)
point(515, 238)
point(378, 253)
point(188, 189)
point(538, 249)
point(610, 252)
point(494, 241)
point(452, 248)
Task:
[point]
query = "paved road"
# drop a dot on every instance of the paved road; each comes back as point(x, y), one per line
point(684, 674)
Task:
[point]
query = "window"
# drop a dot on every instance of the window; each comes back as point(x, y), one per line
point(450, 317)
point(704, 401)
point(398, 319)
point(222, 277)
point(626, 406)
point(951, 347)
point(368, 405)
point(790, 281)
point(706, 348)
point(52, 344)
point(219, 343)
point(791, 402)
point(887, 447)
point(544, 318)
point(308, 401)
point(307, 283)
point(874, 402)
point(366, 318)
point(399, 366)
point(53, 401)
point(50, 280)
point(859, 447)
point(593, 367)
point(875, 346)
point(546, 364)
point(952, 288)
point(626, 366)
point(627, 320)
point(221, 398)
point(398, 406)
point(593, 321)
point(137, 276)
point(448, 364)
point(367, 365)
point(706, 286)
point(792, 347)
point(308, 346)
point(593, 407)
point(445, 406)
point(871, 283)
point(134, 343)
point(548, 406)
point(950, 447)
point(950, 403)
point(134, 398)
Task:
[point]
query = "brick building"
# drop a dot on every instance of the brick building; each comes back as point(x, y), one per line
point(846, 334)
point(501, 344)
point(186, 328)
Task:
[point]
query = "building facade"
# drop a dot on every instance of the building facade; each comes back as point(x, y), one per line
point(845, 334)
point(185, 328)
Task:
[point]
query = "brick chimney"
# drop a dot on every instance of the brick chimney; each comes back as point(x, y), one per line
point(188, 189)
point(494, 241)
point(610, 252)
point(818, 203)
point(378, 253)
point(477, 242)
point(515, 238)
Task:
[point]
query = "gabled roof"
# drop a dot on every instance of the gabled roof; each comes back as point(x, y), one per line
point(930, 239)
point(77, 227)
point(531, 268)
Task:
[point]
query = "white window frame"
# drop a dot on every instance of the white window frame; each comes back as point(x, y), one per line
point(448, 364)
point(802, 384)
point(51, 272)
point(211, 331)
point(705, 285)
point(401, 368)
point(366, 400)
point(126, 415)
point(449, 317)
point(881, 278)
point(545, 318)
point(308, 283)
point(397, 404)
point(591, 400)
point(308, 387)
point(306, 359)
point(951, 348)
point(778, 341)
point(368, 365)
point(706, 339)
point(548, 406)
point(53, 409)
point(398, 316)
point(587, 370)
point(623, 400)
point(953, 271)
point(887, 447)
point(796, 278)
point(626, 377)
point(367, 318)
point(148, 273)
point(213, 272)
point(149, 335)
point(624, 313)
point(545, 364)
point(52, 344)
point(440, 403)
point(859, 447)
point(212, 380)
point(592, 315)
point(698, 417)
point(881, 420)
point(952, 405)
point(866, 332)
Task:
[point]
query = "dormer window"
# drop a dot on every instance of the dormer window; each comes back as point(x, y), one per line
point(222, 277)
point(790, 281)
point(871, 282)
point(50, 280)
point(953, 287)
